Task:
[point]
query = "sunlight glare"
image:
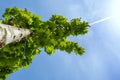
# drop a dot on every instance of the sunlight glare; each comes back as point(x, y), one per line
point(115, 11)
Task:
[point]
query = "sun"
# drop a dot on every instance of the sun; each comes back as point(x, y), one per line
point(114, 22)
point(115, 10)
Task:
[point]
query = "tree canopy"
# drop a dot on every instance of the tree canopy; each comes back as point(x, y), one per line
point(50, 35)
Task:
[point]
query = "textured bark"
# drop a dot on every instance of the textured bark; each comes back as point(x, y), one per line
point(9, 34)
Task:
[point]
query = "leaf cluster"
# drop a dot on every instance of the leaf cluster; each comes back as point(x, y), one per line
point(49, 35)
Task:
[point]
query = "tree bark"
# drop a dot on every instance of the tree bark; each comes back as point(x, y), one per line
point(9, 34)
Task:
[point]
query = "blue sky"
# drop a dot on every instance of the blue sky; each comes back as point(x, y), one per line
point(101, 60)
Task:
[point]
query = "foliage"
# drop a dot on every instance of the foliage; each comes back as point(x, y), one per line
point(49, 35)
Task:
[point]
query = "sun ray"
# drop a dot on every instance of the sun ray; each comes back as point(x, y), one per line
point(101, 20)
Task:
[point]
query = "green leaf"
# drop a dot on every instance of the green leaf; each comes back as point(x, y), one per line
point(49, 49)
point(49, 35)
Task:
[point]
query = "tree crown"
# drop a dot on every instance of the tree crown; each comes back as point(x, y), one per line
point(49, 35)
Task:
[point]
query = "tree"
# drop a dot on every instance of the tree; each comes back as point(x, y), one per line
point(49, 35)
point(10, 34)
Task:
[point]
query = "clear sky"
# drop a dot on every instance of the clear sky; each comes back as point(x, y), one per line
point(101, 60)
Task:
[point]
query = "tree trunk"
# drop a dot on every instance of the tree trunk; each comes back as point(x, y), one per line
point(9, 34)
